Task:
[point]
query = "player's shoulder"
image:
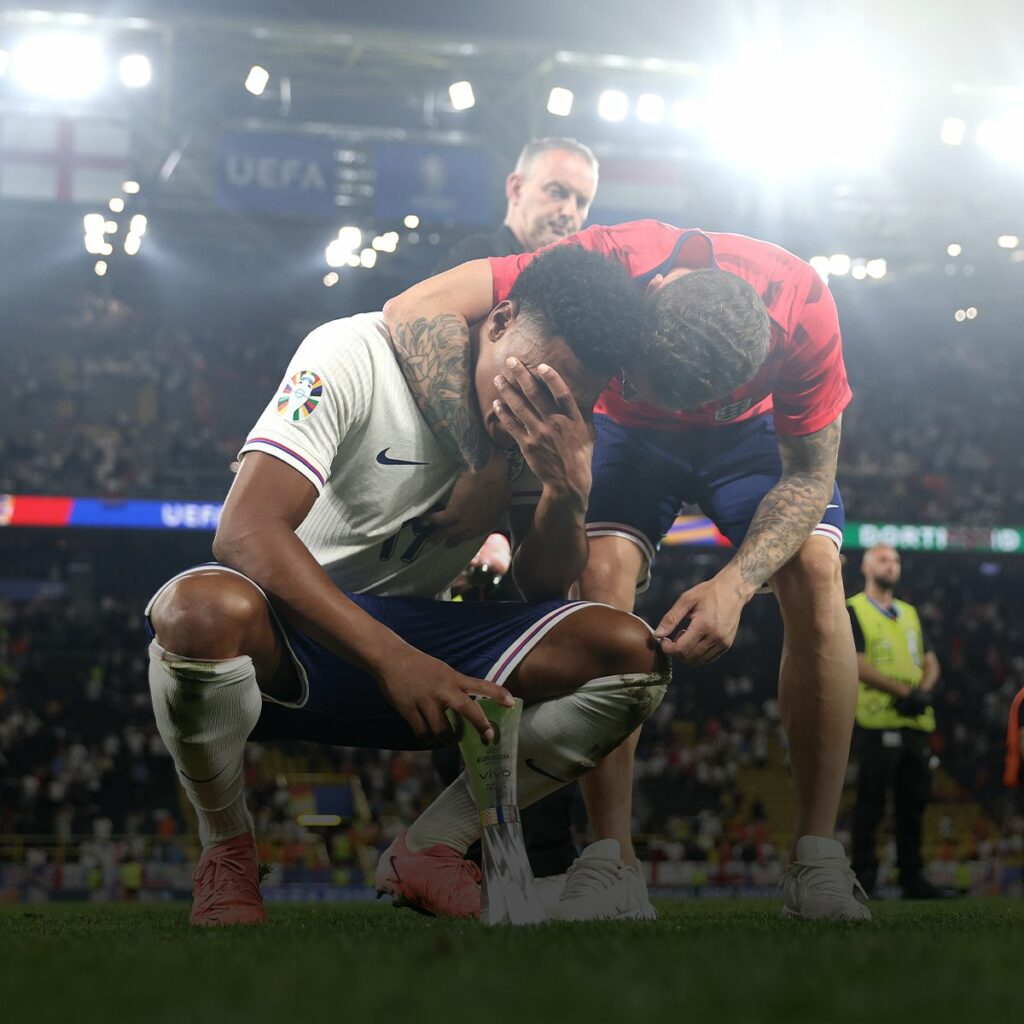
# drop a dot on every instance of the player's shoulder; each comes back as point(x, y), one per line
point(856, 600)
point(339, 342)
point(743, 249)
point(905, 607)
point(644, 232)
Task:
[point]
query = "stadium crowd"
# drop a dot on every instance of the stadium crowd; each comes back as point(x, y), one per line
point(80, 757)
point(132, 405)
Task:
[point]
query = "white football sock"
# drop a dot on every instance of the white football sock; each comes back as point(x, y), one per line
point(205, 711)
point(559, 740)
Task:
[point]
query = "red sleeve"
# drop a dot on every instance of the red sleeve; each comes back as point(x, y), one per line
point(640, 246)
point(812, 389)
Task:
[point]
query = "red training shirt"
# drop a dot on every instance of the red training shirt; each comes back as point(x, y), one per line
point(803, 380)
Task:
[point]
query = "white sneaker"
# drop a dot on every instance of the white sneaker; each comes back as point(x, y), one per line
point(549, 891)
point(820, 885)
point(599, 887)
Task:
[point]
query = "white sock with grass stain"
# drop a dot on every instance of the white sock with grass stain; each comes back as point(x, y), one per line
point(205, 711)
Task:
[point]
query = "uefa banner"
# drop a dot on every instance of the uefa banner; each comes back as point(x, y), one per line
point(319, 176)
point(148, 514)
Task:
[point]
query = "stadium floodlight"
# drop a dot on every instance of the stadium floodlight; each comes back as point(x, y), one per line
point(331, 279)
point(685, 113)
point(5, 62)
point(852, 105)
point(612, 105)
point(336, 254)
point(953, 131)
point(960, 316)
point(461, 95)
point(138, 224)
point(107, 249)
point(820, 265)
point(132, 244)
point(95, 245)
point(352, 260)
point(560, 101)
point(1007, 241)
point(378, 242)
point(59, 65)
point(116, 205)
point(1003, 136)
point(876, 269)
point(971, 312)
point(131, 188)
point(136, 70)
point(954, 249)
point(110, 227)
point(368, 258)
point(94, 223)
point(100, 267)
point(257, 79)
point(411, 221)
point(650, 108)
point(839, 264)
point(858, 271)
point(350, 238)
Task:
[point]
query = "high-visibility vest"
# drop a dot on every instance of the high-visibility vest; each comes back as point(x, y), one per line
point(894, 645)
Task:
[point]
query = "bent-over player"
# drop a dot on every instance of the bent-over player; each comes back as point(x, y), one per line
point(735, 404)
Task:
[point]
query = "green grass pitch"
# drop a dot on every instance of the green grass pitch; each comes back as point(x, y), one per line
point(702, 961)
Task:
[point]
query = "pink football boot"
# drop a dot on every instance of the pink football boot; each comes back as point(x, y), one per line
point(226, 885)
point(435, 881)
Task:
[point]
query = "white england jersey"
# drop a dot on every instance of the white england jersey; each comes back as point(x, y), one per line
point(344, 418)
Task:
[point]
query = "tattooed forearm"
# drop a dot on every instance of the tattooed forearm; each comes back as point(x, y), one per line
point(793, 507)
point(437, 364)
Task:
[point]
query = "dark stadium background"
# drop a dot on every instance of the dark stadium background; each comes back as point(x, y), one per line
point(141, 383)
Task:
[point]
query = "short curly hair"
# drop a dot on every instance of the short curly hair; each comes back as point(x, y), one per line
point(585, 298)
point(707, 334)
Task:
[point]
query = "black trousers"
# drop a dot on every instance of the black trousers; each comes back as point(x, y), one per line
point(903, 768)
point(547, 824)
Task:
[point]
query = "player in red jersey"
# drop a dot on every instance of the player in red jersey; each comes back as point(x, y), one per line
point(745, 351)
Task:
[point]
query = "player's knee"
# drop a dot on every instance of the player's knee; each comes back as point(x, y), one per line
point(811, 584)
point(626, 645)
point(627, 656)
point(207, 615)
point(611, 572)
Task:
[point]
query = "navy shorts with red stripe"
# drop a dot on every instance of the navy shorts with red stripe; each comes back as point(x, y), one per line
point(343, 705)
point(643, 476)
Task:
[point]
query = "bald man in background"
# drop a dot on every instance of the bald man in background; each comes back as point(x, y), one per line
point(549, 193)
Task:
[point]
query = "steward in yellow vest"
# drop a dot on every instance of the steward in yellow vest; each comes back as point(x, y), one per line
point(898, 673)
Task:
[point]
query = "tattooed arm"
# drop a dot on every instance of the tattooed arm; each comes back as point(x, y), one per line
point(436, 362)
point(793, 507)
point(783, 521)
point(429, 326)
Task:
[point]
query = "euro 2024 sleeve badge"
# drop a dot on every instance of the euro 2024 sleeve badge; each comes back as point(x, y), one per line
point(300, 396)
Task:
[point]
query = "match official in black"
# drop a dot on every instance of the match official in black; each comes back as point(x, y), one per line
point(895, 718)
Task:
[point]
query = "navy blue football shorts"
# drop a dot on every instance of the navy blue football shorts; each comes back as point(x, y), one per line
point(342, 705)
point(643, 476)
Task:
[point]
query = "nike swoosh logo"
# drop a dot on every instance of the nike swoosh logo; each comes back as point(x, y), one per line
point(533, 766)
point(827, 507)
point(382, 458)
point(201, 781)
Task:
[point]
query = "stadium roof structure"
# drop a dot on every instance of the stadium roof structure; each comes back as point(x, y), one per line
point(355, 105)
